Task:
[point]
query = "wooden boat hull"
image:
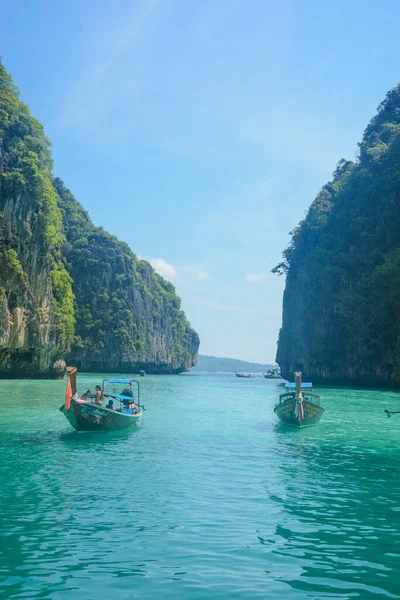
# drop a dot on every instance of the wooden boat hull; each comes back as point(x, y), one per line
point(86, 416)
point(286, 413)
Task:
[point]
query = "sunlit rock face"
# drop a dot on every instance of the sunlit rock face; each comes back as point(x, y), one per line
point(69, 290)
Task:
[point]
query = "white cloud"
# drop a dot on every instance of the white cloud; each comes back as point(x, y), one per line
point(163, 268)
point(203, 275)
point(256, 277)
point(170, 272)
point(217, 306)
point(197, 272)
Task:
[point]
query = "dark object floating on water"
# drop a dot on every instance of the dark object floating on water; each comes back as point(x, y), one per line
point(390, 413)
point(85, 415)
point(298, 408)
point(142, 373)
point(245, 375)
point(273, 373)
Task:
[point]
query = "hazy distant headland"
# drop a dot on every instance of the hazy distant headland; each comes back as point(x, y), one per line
point(215, 364)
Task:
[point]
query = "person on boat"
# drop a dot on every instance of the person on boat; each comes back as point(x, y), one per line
point(129, 407)
point(86, 395)
point(110, 405)
point(98, 398)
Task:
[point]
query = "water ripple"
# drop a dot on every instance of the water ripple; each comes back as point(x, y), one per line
point(210, 500)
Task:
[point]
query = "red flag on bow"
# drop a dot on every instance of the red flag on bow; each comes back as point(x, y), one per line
point(68, 393)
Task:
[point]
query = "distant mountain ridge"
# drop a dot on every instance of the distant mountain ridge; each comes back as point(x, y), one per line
point(215, 364)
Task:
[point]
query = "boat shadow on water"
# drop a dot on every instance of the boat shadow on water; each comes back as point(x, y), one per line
point(93, 438)
point(310, 432)
point(46, 439)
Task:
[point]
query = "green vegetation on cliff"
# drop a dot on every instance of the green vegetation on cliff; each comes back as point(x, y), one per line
point(127, 316)
point(66, 285)
point(341, 311)
point(29, 214)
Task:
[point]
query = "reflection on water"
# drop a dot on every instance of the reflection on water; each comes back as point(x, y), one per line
point(334, 524)
point(210, 499)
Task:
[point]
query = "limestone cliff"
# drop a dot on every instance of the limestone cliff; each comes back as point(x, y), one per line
point(127, 316)
point(36, 312)
point(341, 306)
point(67, 288)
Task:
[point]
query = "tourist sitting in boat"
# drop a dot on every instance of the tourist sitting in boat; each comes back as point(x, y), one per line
point(110, 405)
point(86, 395)
point(129, 411)
point(98, 399)
point(129, 407)
point(127, 392)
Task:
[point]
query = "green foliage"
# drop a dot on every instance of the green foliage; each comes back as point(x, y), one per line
point(26, 180)
point(343, 261)
point(9, 102)
point(63, 303)
point(120, 301)
point(138, 345)
point(10, 267)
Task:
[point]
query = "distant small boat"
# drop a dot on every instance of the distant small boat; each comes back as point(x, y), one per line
point(300, 407)
point(273, 374)
point(142, 373)
point(85, 415)
point(245, 375)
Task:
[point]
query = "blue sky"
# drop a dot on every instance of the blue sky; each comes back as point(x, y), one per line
point(200, 132)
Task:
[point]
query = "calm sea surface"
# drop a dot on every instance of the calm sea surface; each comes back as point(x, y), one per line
point(211, 499)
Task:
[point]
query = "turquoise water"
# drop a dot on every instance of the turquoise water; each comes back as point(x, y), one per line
point(211, 499)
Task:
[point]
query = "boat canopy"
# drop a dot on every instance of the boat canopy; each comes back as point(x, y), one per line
point(290, 385)
point(123, 381)
point(120, 380)
point(119, 397)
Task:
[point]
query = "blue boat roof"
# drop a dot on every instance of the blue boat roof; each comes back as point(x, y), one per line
point(119, 397)
point(120, 380)
point(290, 385)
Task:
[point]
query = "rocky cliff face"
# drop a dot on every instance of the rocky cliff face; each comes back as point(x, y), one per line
point(67, 288)
point(36, 318)
point(127, 316)
point(28, 339)
point(341, 306)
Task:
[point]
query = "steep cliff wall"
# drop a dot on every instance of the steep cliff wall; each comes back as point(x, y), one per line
point(36, 311)
point(127, 316)
point(341, 306)
point(123, 317)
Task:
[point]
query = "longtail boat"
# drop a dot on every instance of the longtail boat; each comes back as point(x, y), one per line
point(84, 415)
point(244, 375)
point(273, 374)
point(300, 407)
